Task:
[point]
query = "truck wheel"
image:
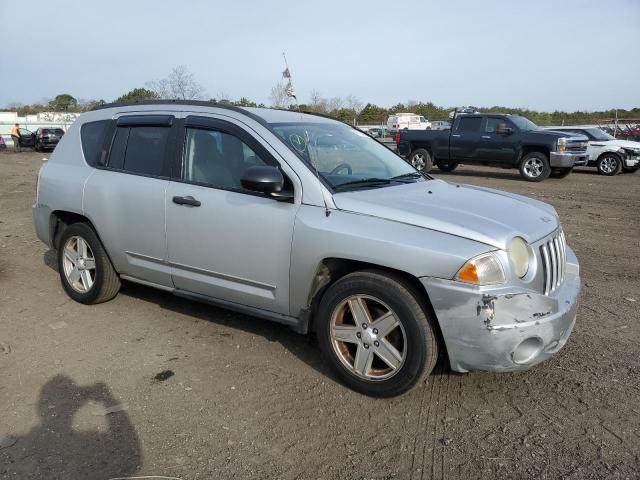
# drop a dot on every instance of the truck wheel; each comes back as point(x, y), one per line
point(560, 172)
point(86, 272)
point(421, 160)
point(534, 167)
point(376, 333)
point(609, 164)
point(447, 167)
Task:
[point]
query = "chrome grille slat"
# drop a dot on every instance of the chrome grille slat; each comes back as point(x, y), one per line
point(553, 253)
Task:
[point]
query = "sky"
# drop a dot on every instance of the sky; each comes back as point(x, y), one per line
point(538, 54)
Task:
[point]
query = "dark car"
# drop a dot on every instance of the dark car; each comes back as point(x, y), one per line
point(495, 139)
point(47, 138)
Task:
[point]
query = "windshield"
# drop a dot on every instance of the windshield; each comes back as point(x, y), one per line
point(344, 157)
point(523, 123)
point(600, 135)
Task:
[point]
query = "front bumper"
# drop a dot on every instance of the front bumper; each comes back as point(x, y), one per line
point(631, 161)
point(567, 159)
point(504, 329)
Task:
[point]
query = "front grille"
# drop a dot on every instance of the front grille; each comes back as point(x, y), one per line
point(579, 147)
point(554, 262)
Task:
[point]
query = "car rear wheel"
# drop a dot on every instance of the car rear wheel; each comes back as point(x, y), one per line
point(376, 333)
point(560, 172)
point(421, 160)
point(86, 272)
point(609, 164)
point(534, 167)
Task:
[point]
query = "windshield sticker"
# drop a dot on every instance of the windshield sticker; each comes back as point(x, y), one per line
point(297, 142)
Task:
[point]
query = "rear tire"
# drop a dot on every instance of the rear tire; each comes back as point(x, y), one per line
point(86, 271)
point(421, 160)
point(609, 164)
point(355, 344)
point(560, 172)
point(447, 167)
point(534, 167)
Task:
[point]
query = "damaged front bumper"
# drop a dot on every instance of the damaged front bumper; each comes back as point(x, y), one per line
point(504, 328)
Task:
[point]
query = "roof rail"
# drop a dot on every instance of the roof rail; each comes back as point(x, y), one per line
point(195, 103)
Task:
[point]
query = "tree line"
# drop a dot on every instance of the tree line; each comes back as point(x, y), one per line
point(181, 84)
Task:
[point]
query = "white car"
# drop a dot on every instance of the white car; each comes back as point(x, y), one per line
point(407, 121)
point(609, 154)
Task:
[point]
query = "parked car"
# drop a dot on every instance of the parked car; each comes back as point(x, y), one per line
point(47, 138)
point(407, 121)
point(440, 125)
point(306, 221)
point(376, 132)
point(493, 139)
point(608, 154)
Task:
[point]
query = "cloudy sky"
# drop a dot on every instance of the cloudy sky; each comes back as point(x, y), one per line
point(542, 54)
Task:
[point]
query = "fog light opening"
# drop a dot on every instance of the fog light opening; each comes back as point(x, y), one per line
point(527, 350)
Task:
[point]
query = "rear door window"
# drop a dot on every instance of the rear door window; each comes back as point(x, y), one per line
point(139, 150)
point(92, 137)
point(469, 124)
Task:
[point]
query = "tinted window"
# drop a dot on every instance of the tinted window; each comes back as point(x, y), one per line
point(92, 137)
point(139, 149)
point(56, 131)
point(469, 124)
point(217, 158)
point(495, 125)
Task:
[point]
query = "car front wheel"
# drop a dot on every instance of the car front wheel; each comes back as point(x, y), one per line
point(86, 271)
point(534, 167)
point(377, 333)
point(609, 164)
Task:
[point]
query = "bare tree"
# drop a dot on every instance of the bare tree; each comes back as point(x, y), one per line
point(354, 103)
point(278, 96)
point(317, 102)
point(179, 85)
point(334, 103)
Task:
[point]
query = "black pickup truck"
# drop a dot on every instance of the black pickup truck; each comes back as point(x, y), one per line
point(510, 141)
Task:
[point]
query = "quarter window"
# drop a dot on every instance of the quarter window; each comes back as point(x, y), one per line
point(92, 136)
point(139, 149)
point(469, 124)
point(216, 158)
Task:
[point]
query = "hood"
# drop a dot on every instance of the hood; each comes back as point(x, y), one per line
point(557, 134)
point(618, 142)
point(480, 214)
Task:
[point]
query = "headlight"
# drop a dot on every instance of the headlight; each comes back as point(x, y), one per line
point(519, 256)
point(561, 146)
point(484, 269)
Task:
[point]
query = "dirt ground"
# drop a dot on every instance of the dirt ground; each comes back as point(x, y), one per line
point(252, 400)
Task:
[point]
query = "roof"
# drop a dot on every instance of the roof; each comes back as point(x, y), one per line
point(261, 115)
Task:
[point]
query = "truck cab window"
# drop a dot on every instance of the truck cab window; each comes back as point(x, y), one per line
point(469, 124)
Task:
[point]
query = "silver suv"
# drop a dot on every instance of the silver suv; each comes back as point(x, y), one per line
point(306, 221)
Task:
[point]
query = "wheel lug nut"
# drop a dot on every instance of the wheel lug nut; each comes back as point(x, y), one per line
point(375, 331)
point(376, 343)
point(359, 335)
point(366, 345)
point(364, 325)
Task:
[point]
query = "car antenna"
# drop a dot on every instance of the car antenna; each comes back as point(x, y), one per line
point(291, 93)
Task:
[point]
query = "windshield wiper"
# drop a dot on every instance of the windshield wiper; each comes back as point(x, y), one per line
point(408, 176)
point(364, 182)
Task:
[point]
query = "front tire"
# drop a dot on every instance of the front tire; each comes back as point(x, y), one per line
point(534, 167)
point(377, 333)
point(86, 272)
point(421, 160)
point(609, 164)
point(560, 172)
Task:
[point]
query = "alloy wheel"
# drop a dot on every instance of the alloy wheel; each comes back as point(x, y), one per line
point(533, 167)
point(418, 161)
point(368, 337)
point(79, 264)
point(608, 164)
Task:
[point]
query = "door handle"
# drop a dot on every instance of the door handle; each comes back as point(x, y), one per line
point(188, 200)
point(455, 135)
point(486, 136)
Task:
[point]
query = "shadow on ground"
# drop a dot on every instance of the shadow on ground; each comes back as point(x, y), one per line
point(58, 448)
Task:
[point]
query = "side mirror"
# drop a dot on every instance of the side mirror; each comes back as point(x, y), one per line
point(267, 180)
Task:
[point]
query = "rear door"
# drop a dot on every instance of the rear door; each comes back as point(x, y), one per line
point(465, 137)
point(226, 242)
point(497, 143)
point(125, 197)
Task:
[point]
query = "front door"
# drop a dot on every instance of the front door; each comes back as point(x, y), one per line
point(226, 242)
point(497, 141)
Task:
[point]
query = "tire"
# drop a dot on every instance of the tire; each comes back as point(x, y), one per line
point(447, 167)
point(421, 160)
point(86, 285)
point(410, 331)
point(609, 164)
point(560, 172)
point(534, 167)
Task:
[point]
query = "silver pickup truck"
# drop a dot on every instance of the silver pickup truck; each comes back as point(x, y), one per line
point(306, 221)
